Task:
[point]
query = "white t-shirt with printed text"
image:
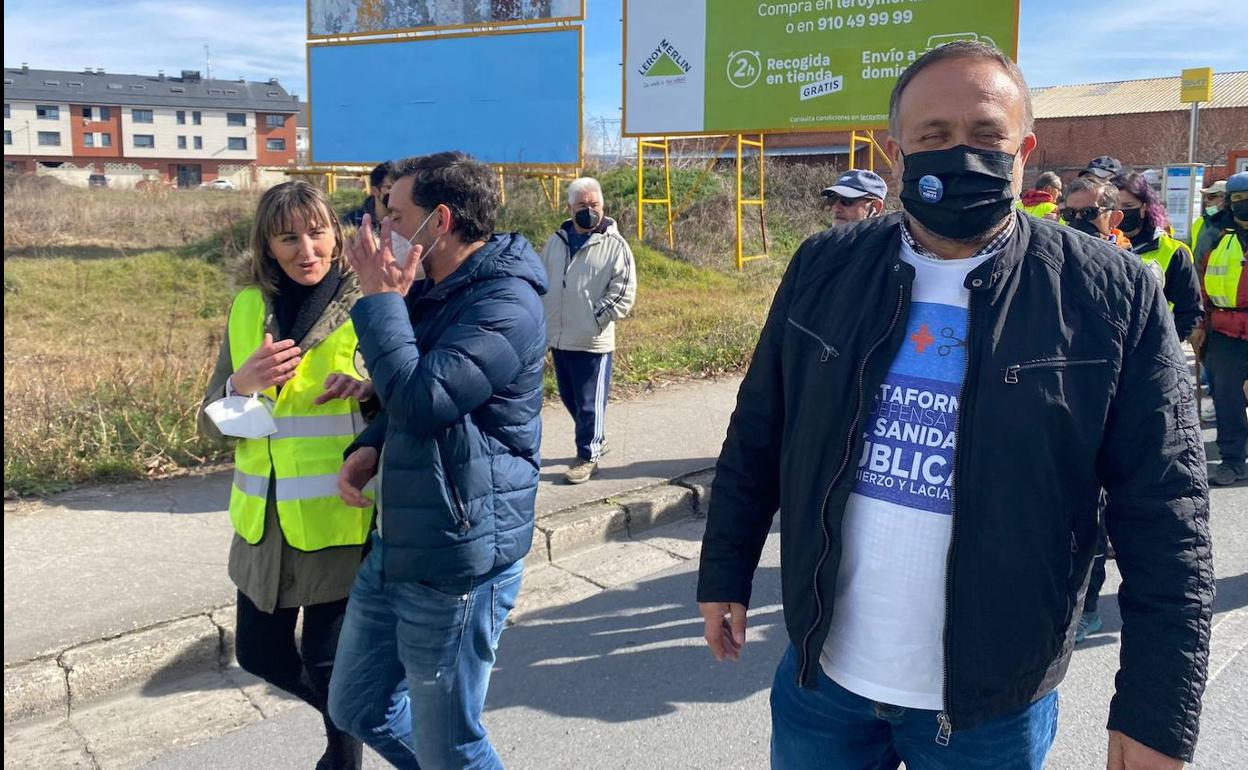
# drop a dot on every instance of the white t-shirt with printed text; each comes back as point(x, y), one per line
point(886, 639)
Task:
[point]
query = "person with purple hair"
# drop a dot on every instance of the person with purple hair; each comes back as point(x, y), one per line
point(1145, 223)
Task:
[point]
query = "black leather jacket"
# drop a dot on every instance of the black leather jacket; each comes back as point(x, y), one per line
point(1075, 382)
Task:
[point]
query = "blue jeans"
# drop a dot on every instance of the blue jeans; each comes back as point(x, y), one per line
point(414, 662)
point(832, 727)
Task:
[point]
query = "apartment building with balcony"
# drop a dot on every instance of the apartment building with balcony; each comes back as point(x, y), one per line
point(182, 131)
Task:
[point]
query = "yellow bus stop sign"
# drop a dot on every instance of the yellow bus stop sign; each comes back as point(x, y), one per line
point(1197, 85)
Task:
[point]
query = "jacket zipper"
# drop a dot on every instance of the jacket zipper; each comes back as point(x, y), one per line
point(567, 265)
point(823, 508)
point(828, 350)
point(944, 722)
point(1011, 372)
point(461, 515)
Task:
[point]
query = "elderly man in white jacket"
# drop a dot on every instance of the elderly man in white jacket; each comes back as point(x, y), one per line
point(593, 282)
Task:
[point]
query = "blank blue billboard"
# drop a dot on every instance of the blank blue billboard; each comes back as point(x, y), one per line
point(507, 98)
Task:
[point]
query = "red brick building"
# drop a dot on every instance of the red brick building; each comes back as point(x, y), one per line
point(1141, 123)
point(182, 131)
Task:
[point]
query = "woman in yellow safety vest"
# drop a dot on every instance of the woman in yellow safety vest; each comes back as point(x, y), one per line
point(283, 386)
point(1144, 222)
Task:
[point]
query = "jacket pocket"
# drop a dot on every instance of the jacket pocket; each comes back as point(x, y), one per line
point(1055, 363)
point(581, 321)
point(827, 350)
point(458, 510)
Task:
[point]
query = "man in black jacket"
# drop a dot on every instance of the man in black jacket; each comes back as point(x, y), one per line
point(936, 400)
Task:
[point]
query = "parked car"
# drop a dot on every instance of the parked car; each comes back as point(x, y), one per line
point(97, 180)
point(219, 184)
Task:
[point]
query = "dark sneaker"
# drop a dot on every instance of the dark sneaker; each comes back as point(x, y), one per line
point(1089, 623)
point(580, 471)
point(1229, 473)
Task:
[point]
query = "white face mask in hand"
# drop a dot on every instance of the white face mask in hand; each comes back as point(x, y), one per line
point(242, 417)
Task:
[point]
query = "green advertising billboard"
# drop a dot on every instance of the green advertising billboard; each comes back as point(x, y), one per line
point(744, 66)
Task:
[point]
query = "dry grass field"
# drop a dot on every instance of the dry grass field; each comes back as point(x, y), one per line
point(114, 303)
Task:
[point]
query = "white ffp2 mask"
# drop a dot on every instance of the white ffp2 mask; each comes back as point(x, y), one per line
point(401, 248)
point(242, 417)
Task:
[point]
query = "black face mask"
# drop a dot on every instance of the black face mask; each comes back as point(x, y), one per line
point(1086, 226)
point(1132, 220)
point(1239, 209)
point(959, 193)
point(587, 219)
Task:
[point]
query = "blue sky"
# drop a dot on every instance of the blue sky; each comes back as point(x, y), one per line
point(1061, 41)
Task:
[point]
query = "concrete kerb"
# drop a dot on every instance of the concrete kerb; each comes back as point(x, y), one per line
point(582, 527)
point(57, 684)
point(203, 642)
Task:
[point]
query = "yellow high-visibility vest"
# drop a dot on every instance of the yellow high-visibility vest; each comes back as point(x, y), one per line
point(1162, 256)
point(1040, 210)
point(1224, 272)
point(1197, 225)
point(304, 456)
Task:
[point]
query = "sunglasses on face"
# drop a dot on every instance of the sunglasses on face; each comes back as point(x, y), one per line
point(833, 200)
point(1085, 213)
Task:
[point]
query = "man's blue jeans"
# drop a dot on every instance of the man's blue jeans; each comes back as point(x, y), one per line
point(832, 727)
point(414, 662)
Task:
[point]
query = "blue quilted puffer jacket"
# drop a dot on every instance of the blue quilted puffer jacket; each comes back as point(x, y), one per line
point(458, 369)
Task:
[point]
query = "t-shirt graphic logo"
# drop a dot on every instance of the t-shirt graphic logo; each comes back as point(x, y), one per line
point(922, 339)
point(912, 427)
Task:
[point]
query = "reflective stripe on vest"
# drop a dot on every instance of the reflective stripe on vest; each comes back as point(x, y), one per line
point(1224, 272)
point(305, 454)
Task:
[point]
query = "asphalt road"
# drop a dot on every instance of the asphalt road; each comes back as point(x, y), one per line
point(622, 680)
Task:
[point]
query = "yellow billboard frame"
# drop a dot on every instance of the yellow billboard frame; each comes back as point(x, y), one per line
point(742, 202)
point(434, 29)
point(661, 145)
point(867, 139)
point(563, 27)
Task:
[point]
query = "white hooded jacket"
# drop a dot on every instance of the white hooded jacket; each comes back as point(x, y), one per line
point(589, 290)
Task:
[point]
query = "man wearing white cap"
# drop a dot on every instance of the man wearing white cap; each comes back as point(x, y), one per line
point(856, 196)
point(1214, 194)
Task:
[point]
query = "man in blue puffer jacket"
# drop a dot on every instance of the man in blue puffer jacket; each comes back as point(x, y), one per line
point(457, 362)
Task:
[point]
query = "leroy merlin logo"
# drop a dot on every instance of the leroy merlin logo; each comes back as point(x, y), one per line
point(665, 61)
